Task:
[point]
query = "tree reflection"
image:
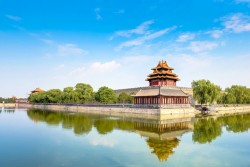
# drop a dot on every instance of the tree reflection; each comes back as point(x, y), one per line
point(237, 123)
point(206, 130)
point(125, 125)
point(105, 126)
point(162, 148)
point(80, 123)
point(53, 118)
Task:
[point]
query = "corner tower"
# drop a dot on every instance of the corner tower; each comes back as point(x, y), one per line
point(162, 75)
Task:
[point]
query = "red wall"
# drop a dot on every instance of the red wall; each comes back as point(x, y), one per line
point(162, 82)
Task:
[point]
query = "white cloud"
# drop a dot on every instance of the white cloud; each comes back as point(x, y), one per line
point(201, 46)
point(107, 66)
point(143, 39)
point(15, 18)
point(193, 62)
point(236, 23)
point(96, 68)
point(97, 13)
point(139, 30)
point(104, 141)
point(71, 50)
point(215, 33)
point(186, 37)
point(44, 40)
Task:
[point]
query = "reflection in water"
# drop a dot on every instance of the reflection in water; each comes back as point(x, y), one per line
point(237, 123)
point(207, 130)
point(7, 110)
point(80, 123)
point(162, 138)
point(105, 126)
point(162, 148)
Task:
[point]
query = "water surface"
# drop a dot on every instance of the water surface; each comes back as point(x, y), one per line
point(43, 138)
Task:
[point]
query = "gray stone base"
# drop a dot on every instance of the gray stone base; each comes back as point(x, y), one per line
point(108, 109)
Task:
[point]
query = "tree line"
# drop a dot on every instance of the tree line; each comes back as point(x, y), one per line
point(206, 92)
point(7, 100)
point(81, 93)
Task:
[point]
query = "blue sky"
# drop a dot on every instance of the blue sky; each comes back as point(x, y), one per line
point(55, 44)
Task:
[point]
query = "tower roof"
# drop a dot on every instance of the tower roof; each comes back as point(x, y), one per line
point(162, 65)
point(160, 91)
point(37, 90)
point(162, 71)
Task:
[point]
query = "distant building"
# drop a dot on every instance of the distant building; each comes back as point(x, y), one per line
point(162, 90)
point(22, 100)
point(37, 90)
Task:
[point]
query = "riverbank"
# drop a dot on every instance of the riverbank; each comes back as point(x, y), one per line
point(224, 110)
point(221, 110)
point(110, 109)
point(8, 105)
point(124, 110)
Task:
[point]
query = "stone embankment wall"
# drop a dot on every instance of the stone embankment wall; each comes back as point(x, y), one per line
point(220, 110)
point(109, 109)
point(8, 105)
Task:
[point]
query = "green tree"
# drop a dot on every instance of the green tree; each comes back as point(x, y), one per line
point(54, 96)
point(69, 95)
point(39, 97)
point(85, 92)
point(124, 98)
point(248, 95)
point(237, 94)
point(205, 92)
point(8, 100)
point(105, 95)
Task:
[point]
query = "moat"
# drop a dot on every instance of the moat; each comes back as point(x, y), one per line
point(31, 137)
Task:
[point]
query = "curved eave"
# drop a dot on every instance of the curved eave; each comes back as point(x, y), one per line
point(163, 77)
point(168, 68)
point(165, 74)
